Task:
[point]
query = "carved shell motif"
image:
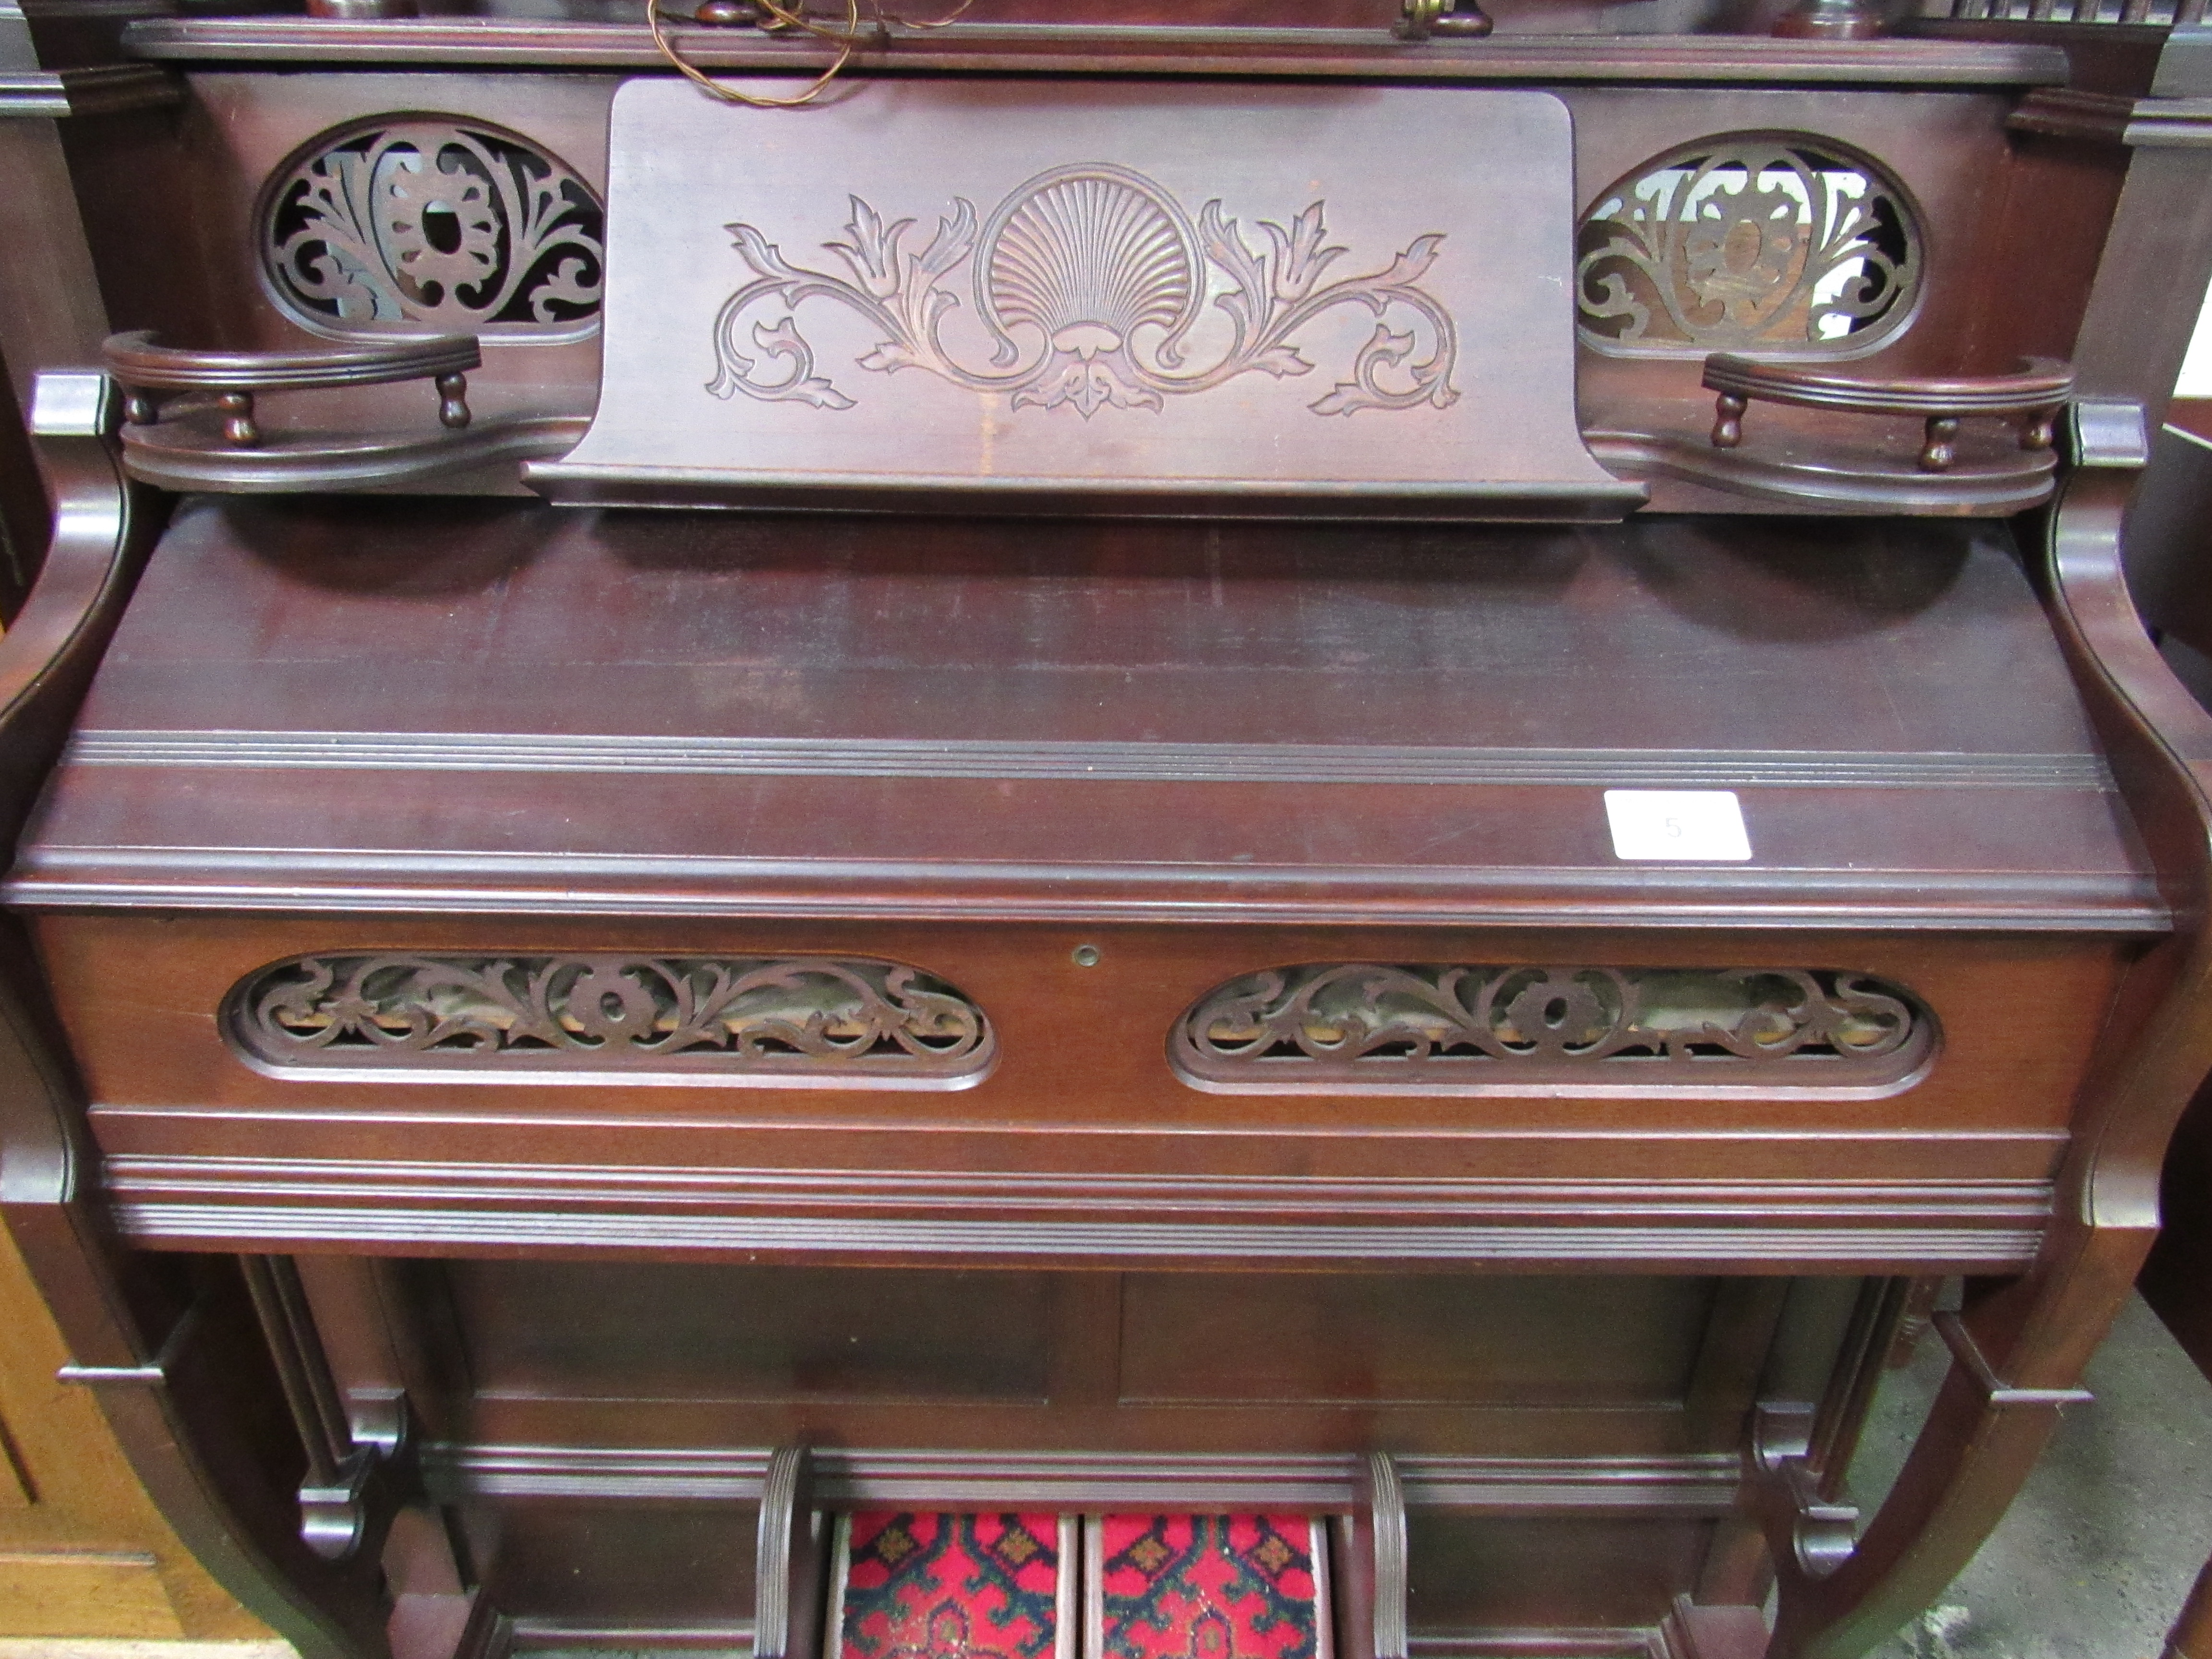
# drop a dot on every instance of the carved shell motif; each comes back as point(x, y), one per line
point(1088, 255)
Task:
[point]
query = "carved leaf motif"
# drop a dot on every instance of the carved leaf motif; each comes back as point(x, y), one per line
point(1362, 1027)
point(595, 1013)
point(874, 252)
point(1282, 361)
point(1245, 299)
point(1088, 281)
point(781, 339)
point(411, 197)
point(1787, 244)
point(764, 256)
point(1300, 256)
point(956, 235)
point(425, 221)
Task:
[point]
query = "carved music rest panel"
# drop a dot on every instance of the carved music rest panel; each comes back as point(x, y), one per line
point(995, 294)
point(1361, 1028)
point(783, 1022)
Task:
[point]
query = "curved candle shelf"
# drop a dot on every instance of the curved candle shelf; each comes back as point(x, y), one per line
point(190, 422)
point(2033, 396)
point(234, 378)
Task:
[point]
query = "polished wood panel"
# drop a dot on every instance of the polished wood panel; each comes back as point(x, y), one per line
point(586, 1328)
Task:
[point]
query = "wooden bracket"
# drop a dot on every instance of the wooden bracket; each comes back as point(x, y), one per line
point(1372, 1577)
point(1695, 1632)
point(355, 1480)
point(788, 1572)
point(2108, 432)
point(1995, 1391)
point(1817, 1532)
point(154, 1374)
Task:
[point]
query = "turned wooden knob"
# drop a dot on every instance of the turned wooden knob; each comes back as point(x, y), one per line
point(453, 401)
point(1458, 20)
point(1728, 419)
point(1941, 450)
point(238, 426)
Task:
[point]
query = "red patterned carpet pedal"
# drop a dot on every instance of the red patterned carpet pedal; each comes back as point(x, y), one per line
point(952, 1587)
point(1206, 1587)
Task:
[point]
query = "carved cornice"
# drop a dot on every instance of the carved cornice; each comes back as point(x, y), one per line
point(97, 90)
point(1694, 60)
point(2105, 118)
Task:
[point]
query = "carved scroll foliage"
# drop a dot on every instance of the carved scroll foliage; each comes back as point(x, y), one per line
point(1743, 241)
point(426, 222)
point(847, 1021)
point(1088, 283)
point(1356, 1027)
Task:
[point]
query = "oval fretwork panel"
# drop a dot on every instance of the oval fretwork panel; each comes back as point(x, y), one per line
point(1360, 1027)
point(782, 1022)
point(1783, 245)
point(427, 222)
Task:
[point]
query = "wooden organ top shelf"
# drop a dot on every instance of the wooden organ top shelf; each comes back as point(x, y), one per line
point(748, 839)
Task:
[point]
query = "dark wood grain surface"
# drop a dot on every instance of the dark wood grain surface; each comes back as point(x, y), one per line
point(382, 703)
point(1089, 776)
point(708, 733)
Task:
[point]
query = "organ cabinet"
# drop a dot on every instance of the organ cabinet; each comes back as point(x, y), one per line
point(1226, 830)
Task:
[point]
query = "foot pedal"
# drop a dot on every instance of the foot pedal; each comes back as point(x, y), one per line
point(911, 1586)
point(1206, 1587)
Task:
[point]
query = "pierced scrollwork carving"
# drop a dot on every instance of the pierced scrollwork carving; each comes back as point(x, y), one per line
point(1785, 244)
point(839, 1021)
point(420, 222)
point(1362, 1027)
point(1088, 284)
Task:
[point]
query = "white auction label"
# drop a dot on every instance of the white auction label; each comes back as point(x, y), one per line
point(1692, 826)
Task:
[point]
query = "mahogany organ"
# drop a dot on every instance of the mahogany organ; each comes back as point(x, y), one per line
point(1273, 792)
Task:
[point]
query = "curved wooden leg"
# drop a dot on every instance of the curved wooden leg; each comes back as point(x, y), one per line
point(1988, 1426)
point(1965, 1469)
point(2192, 1634)
point(165, 1368)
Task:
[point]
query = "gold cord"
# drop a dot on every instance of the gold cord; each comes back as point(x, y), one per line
point(784, 15)
point(788, 16)
point(946, 21)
